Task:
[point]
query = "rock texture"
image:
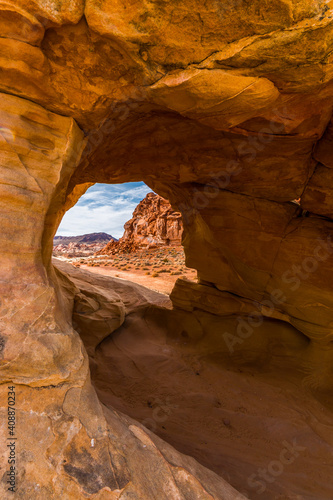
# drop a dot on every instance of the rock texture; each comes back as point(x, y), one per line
point(154, 223)
point(224, 109)
point(143, 367)
point(98, 310)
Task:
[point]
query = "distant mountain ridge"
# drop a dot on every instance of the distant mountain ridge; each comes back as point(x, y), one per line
point(82, 245)
point(84, 238)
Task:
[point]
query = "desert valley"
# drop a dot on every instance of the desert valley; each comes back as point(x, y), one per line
point(149, 253)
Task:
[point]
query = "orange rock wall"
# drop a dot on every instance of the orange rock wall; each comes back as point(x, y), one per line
point(223, 109)
point(154, 223)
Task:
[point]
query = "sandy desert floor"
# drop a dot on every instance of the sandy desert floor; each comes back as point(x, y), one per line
point(157, 269)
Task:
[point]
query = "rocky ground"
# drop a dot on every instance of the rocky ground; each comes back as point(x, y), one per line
point(157, 269)
point(249, 416)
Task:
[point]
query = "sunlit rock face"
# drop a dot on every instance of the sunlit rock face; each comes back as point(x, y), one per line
point(154, 224)
point(224, 110)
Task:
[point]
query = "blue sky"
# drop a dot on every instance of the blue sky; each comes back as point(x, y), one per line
point(103, 208)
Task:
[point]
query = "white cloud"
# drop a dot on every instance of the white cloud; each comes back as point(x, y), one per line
point(103, 208)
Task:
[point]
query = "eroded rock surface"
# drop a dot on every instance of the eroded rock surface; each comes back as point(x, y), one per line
point(154, 223)
point(223, 109)
point(231, 399)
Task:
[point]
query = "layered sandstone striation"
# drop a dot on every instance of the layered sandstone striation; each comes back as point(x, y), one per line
point(154, 223)
point(225, 110)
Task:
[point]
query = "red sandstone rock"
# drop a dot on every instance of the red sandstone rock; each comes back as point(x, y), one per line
point(154, 223)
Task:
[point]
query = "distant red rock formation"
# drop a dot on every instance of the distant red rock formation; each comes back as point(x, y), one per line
point(154, 223)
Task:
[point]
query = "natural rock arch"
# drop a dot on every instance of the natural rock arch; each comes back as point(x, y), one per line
point(226, 111)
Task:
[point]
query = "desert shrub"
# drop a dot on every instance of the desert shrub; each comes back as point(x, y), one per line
point(154, 275)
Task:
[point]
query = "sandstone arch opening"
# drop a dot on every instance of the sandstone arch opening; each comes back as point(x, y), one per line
point(201, 338)
point(227, 113)
point(233, 325)
point(125, 231)
point(143, 350)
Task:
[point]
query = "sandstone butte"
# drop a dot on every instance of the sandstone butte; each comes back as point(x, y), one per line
point(154, 224)
point(224, 109)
